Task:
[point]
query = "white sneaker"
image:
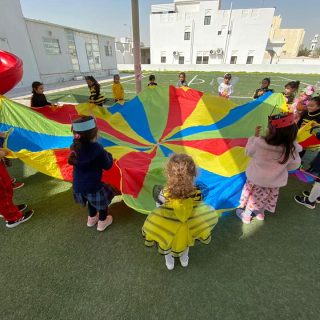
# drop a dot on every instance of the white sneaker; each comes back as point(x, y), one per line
point(103, 225)
point(184, 261)
point(169, 261)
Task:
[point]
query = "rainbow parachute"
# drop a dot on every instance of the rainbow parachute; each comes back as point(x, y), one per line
point(142, 133)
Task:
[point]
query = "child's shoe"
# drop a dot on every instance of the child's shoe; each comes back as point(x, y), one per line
point(260, 216)
point(307, 194)
point(169, 261)
point(22, 207)
point(92, 221)
point(102, 225)
point(305, 201)
point(26, 216)
point(184, 260)
point(17, 185)
point(244, 217)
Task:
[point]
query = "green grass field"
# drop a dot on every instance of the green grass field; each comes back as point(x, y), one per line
point(54, 267)
point(243, 90)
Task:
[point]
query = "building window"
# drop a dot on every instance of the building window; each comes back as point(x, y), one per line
point(229, 31)
point(207, 20)
point(51, 46)
point(72, 50)
point(199, 60)
point(108, 50)
point(205, 59)
point(163, 59)
point(181, 59)
point(219, 33)
point(187, 35)
point(249, 60)
point(233, 60)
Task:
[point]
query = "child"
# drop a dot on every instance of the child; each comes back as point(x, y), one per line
point(38, 99)
point(14, 215)
point(88, 159)
point(264, 88)
point(152, 80)
point(225, 88)
point(117, 89)
point(312, 113)
point(94, 87)
point(289, 91)
point(182, 80)
point(183, 217)
point(272, 157)
point(310, 199)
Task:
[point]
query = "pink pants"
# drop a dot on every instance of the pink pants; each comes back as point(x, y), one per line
point(258, 199)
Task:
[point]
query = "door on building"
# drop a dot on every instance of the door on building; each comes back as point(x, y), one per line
point(82, 53)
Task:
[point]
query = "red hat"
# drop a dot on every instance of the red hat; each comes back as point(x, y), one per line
point(282, 120)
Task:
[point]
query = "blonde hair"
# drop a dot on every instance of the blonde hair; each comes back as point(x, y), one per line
point(181, 171)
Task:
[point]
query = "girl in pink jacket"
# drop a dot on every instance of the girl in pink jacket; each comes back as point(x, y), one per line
point(272, 157)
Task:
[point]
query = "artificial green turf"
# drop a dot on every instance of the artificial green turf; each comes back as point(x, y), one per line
point(248, 83)
point(54, 267)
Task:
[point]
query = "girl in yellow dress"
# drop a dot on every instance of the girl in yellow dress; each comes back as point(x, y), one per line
point(182, 217)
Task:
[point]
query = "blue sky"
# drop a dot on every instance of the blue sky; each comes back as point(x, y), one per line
point(109, 16)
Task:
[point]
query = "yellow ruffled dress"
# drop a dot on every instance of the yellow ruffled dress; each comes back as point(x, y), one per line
point(178, 223)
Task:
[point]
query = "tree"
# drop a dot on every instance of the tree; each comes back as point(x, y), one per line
point(304, 52)
point(316, 53)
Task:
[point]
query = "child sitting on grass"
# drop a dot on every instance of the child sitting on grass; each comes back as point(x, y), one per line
point(94, 87)
point(264, 88)
point(182, 80)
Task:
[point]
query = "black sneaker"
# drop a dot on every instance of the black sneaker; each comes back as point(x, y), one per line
point(307, 194)
point(22, 207)
point(304, 201)
point(26, 216)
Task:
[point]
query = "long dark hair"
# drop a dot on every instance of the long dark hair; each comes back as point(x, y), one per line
point(35, 86)
point(81, 139)
point(283, 137)
point(95, 82)
point(293, 84)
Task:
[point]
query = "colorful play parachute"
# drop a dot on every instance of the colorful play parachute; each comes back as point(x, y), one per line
point(142, 133)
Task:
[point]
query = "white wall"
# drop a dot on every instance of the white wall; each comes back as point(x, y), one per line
point(14, 35)
point(51, 66)
point(250, 31)
point(264, 68)
point(108, 62)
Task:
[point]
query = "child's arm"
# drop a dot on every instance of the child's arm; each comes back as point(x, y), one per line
point(295, 161)
point(107, 160)
point(3, 153)
point(122, 92)
point(251, 147)
point(113, 92)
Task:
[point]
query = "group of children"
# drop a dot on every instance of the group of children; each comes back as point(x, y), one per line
point(182, 217)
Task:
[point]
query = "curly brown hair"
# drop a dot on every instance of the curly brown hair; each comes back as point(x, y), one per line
point(181, 171)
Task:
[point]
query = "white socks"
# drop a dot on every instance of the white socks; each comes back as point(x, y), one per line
point(315, 192)
point(184, 259)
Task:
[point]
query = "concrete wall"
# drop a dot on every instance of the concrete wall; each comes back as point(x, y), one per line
point(52, 67)
point(108, 62)
point(264, 68)
point(15, 39)
point(249, 33)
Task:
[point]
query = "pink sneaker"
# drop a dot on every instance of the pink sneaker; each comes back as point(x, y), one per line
point(260, 216)
point(244, 217)
point(92, 221)
point(102, 225)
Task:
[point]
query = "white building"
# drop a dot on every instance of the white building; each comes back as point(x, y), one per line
point(199, 32)
point(51, 52)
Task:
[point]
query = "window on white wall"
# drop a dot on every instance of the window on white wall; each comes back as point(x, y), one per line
point(187, 35)
point(205, 59)
point(51, 46)
point(163, 59)
point(233, 60)
point(207, 20)
point(199, 60)
point(181, 59)
point(249, 60)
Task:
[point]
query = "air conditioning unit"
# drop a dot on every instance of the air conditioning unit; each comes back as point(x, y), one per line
point(175, 53)
point(212, 52)
point(219, 51)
